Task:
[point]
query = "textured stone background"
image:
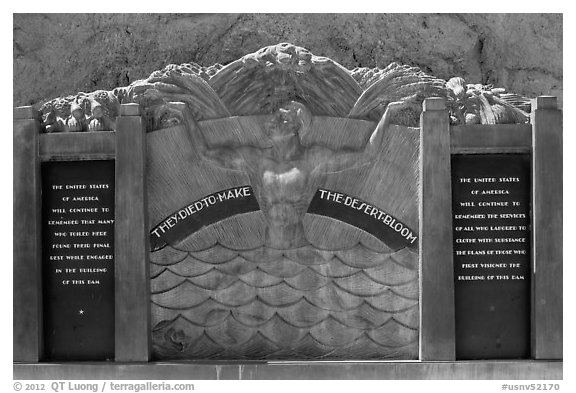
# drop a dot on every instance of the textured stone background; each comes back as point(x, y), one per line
point(61, 54)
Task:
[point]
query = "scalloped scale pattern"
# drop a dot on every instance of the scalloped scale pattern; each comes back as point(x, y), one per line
point(265, 304)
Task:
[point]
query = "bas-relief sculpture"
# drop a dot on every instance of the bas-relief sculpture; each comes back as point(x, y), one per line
point(359, 93)
point(69, 114)
point(280, 173)
point(281, 281)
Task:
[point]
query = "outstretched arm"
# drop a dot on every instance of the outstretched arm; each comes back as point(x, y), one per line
point(375, 141)
point(329, 160)
point(237, 158)
point(223, 157)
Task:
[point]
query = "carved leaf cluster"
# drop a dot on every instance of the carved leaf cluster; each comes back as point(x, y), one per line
point(56, 112)
point(484, 104)
point(259, 83)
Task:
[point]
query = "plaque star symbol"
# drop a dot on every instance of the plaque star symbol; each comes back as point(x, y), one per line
point(81, 312)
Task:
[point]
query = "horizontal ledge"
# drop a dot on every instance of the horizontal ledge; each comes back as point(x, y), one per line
point(496, 136)
point(491, 150)
point(130, 109)
point(78, 145)
point(407, 370)
point(77, 157)
point(25, 113)
point(544, 102)
point(434, 104)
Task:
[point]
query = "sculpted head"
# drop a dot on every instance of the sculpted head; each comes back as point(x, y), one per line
point(292, 118)
point(76, 111)
point(98, 111)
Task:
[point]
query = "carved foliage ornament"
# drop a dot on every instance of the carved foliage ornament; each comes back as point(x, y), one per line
point(84, 112)
point(259, 83)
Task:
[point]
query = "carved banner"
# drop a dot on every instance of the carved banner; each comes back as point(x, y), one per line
point(253, 255)
point(281, 270)
point(365, 216)
point(208, 210)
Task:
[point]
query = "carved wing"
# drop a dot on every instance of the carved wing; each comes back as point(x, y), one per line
point(393, 83)
point(260, 82)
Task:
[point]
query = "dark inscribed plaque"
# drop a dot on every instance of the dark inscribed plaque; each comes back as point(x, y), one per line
point(78, 259)
point(491, 208)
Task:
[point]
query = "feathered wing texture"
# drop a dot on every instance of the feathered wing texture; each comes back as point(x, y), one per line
point(214, 297)
point(186, 83)
point(520, 102)
point(353, 299)
point(394, 83)
point(221, 294)
point(507, 112)
point(260, 82)
point(362, 75)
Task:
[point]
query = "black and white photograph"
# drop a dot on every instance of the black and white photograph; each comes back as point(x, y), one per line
point(287, 196)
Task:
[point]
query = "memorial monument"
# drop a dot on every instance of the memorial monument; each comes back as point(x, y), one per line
point(283, 207)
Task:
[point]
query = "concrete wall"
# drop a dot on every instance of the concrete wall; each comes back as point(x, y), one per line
point(60, 54)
